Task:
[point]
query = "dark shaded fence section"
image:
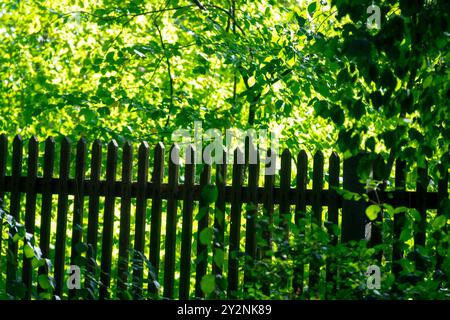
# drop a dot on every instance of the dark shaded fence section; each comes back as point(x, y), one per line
point(221, 212)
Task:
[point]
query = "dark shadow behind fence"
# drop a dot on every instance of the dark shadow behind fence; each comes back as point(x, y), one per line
point(177, 233)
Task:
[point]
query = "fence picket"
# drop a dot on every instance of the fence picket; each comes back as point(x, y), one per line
point(155, 224)
point(141, 211)
point(171, 223)
point(46, 211)
point(124, 233)
point(333, 218)
point(186, 230)
point(421, 206)
point(14, 211)
point(316, 219)
point(219, 219)
point(352, 226)
point(250, 228)
point(61, 219)
point(442, 196)
point(92, 232)
point(268, 207)
point(203, 224)
point(300, 219)
point(399, 218)
point(78, 205)
point(235, 224)
point(285, 185)
point(108, 221)
point(30, 209)
point(3, 164)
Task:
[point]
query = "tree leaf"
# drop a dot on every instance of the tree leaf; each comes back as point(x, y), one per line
point(439, 222)
point(312, 8)
point(44, 281)
point(208, 283)
point(372, 211)
point(28, 251)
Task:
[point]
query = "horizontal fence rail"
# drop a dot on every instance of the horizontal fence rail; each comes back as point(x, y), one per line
point(407, 198)
point(155, 236)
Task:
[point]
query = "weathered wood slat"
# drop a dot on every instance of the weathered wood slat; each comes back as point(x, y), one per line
point(268, 208)
point(30, 209)
point(421, 206)
point(235, 225)
point(78, 205)
point(285, 186)
point(171, 224)
point(203, 224)
point(92, 232)
point(108, 221)
point(316, 220)
point(386, 197)
point(300, 219)
point(3, 165)
point(155, 225)
point(186, 229)
point(46, 211)
point(333, 219)
point(250, 228)
point(219, 218)
point(442, 198)
point(353, 212)
point(399, 218)
point(14, 210)
point(61, 219)
point(125, 218)
point(141, 214)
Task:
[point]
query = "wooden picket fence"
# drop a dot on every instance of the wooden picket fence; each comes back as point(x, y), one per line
point(292, 205)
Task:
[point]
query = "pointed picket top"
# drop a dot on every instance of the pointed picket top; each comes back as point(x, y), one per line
point(97, 143)
point(33, 139)
point(33, 144)
point(81, 144)
point(17, 154)
point(143, 148)
point(49, 156)
point(65, 153)
point(286, 158)
point(158, 147)
point(50, 140)
point(285, 153)
point(33, 149)
point(3, 138)
point(334, 156)
point(127, 146)
point(302, 160)
point(17, 140)
point(65, 143)
point(113, 145)
point(318, 156)
point(127, 152)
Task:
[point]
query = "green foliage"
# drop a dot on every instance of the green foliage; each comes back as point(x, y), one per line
point(313, 72)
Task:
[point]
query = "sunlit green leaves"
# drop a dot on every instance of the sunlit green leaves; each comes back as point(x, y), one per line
point(372, 211)
point(208, 284)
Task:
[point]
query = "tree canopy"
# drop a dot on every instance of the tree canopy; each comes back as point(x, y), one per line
point(313, 70)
